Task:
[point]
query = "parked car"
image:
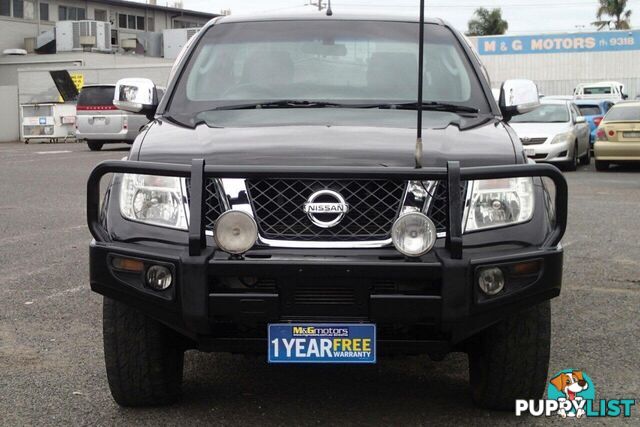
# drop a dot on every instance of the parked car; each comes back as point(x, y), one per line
point(284, 203)
point(602, 90)
point(99, 122)
point(555, 132)
point(593, 112)
point(618, 137)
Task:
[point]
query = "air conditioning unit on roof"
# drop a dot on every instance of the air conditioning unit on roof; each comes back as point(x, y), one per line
point(80, 35)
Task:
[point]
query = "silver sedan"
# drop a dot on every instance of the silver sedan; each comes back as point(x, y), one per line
point(555, 132)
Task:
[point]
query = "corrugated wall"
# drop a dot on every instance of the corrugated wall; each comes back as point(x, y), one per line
point(559, 73)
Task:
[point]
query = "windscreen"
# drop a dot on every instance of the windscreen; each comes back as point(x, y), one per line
point(329, 61)
point(624, 113)
point(96, 96)
point(549, 113)
point(589, 110)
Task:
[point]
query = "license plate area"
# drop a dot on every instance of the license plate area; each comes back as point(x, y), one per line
point(328, 343)
point(100, 121)
point(631, 135)
point(529, 152)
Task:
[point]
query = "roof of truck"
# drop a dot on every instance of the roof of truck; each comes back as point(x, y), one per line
point(307, 13)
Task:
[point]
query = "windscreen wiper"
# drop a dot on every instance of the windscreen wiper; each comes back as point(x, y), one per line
point(285, 103)
point(429, 106)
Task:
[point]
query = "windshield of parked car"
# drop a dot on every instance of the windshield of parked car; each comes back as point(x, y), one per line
point(305, 63)
point(624, 113)
point(589, 110)
point(549, 113)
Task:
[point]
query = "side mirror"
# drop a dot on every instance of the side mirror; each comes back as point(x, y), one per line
point(137, 96)
point(518, 97)
point(581, 119)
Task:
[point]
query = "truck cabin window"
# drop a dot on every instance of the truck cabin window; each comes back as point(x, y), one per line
point(337, 61)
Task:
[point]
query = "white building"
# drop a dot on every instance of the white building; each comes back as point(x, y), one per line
point(24, 19)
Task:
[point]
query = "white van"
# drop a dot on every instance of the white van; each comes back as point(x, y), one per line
point(601, 90)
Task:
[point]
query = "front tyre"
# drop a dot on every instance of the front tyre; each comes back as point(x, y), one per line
point(510, 360)
point(144, 358)
point(572, 164)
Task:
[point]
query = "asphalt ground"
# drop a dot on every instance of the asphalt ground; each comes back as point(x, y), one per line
point(51, 360)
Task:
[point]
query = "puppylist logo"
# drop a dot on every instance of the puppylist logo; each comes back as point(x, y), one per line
point(571, 394)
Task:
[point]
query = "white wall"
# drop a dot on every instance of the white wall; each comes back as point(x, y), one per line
point(9, 118)
point(559, 73)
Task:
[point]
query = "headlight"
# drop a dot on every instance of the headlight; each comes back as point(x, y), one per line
point(155, 200)
point(499, 203)
point(562, 138)
point(413, 234)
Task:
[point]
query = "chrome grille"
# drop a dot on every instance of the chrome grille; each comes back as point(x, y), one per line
point(213, 207)
point(278, 208)
point(437, 207)
point(533, 141)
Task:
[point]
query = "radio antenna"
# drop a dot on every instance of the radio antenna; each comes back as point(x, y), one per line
point(329, 11)
point(418, 150)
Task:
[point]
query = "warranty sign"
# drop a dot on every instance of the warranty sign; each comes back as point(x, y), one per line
point(322, 343)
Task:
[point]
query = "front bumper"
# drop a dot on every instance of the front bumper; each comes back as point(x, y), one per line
point(551, 153)
point(430, 304)
point(426, 305)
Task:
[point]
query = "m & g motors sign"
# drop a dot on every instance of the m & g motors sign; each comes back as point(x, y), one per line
point(560, 43)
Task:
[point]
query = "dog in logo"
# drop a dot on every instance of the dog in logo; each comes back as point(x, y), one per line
point(570, 384)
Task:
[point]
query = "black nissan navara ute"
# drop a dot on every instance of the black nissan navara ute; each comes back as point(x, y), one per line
point(280, 202)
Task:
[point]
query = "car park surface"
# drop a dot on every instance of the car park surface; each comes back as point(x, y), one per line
point(50, 340)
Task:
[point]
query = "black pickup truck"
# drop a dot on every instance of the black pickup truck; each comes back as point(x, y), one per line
point(279, 203)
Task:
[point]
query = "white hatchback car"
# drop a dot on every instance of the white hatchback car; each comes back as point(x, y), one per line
point(555, 132)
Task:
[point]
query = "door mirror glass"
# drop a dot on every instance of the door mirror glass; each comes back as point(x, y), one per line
point(136, 96)
point(518, 97)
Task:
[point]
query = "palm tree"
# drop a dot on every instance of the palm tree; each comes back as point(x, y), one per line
point(487, 23)
point(614, 9)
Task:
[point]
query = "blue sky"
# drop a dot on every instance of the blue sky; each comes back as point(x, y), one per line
point(524, 16)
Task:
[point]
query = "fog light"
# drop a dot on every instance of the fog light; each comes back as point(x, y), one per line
point(235, 232)
point(159, 277)
point(413, 234)
point(491, 280)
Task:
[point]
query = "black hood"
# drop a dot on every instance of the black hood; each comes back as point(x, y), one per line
point(486, 144)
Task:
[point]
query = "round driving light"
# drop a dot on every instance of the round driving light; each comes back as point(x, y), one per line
point(413, 234)
point(491, 280)
point(159, 277)
point(235, 232)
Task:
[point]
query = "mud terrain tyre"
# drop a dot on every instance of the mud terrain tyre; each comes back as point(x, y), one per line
point(510, 360)
point(144, 358)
